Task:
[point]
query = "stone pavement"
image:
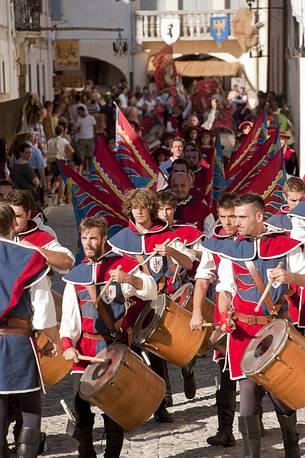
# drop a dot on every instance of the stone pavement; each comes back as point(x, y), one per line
point(195, 420)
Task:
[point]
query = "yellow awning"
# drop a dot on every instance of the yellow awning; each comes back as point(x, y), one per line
point(199, 68)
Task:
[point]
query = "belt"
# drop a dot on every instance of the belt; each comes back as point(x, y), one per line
point(97, 337)
point(16, 326)
point(26, 332)
point(253, 320)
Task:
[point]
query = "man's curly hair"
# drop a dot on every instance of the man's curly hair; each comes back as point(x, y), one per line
point(143, 197)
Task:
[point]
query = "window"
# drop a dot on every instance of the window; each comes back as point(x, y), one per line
point(3, 88)
point(38, 79)
point(56, 10)
point(30, 77)
point(44, 82)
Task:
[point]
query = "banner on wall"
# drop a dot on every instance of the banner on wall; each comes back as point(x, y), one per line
point(67, 55)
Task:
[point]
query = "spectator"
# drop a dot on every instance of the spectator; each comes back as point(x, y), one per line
point(58, 148)
point(85, 127)
point(4, 171)
point(23, 175)
point(48, 125)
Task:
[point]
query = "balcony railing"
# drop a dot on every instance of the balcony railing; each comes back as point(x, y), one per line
point(27, 14)
point(194, 25)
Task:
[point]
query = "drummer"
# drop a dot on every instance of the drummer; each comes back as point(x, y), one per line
point(144, 236)
point(58, 257)
point(191, 237)
point(89, 325)
point(206, 273)
point(255, 251)
point(26, 304)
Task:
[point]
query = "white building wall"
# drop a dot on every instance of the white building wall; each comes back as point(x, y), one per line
point(39, 60)
point(97, 44)
point(8, 67)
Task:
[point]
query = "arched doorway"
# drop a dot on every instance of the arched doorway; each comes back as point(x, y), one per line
point(200, 66)
point(100, 72)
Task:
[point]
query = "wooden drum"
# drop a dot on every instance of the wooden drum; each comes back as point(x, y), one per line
point(275, 359)
point(123, 387)
point(163, 328)
point(53, 368)
point(218, 341)
point(208, 316)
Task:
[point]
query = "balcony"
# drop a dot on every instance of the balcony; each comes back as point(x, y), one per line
point(194, 25)
point(27, 15)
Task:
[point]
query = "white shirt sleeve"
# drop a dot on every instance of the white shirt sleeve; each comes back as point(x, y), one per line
point(296, 261)
point(56, 246)
point(177, 245)
point(70, 325)
point(43, 305)
point(298, 229)
point(226, 277)
point(207, 268)
point(149, 290)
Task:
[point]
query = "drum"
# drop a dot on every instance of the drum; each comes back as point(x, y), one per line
point(184, 296)
point(163, 328)
point(53, 368)
point(218, 341)
point(123, 387)
point(208, 315)
point(275, 359)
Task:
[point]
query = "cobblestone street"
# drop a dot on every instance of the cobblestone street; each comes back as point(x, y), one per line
point(195, 420)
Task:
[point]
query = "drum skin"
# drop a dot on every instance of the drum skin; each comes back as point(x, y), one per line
point(218, 341)
point(163, 328)
point(275, 359)
point(125, 388)
point(184, 296)
point(208, 315)
point(53, 368)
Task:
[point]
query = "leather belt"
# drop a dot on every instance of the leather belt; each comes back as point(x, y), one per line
point(26, 332)
point(96, 337)
point(253, 320)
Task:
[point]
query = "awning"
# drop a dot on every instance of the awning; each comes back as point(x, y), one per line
point(197, 68)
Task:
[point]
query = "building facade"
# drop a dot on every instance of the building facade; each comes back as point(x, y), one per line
point(8, 63)
point(142, 23)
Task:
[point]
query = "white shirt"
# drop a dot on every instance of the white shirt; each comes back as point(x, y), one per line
point(86, 125)
point(207, 267)
point(43, 305)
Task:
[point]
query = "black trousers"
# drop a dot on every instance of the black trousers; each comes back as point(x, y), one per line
point(31, 412)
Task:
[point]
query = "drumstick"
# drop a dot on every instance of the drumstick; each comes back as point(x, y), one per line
point(92, 359)
point(67, 410)
point(178, 266)
point(207, 325)
point(267, 289)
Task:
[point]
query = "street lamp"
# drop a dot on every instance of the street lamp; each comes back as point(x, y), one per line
point(250, 3)
point(120, 46)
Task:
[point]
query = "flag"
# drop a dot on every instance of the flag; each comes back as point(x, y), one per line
point(256, 163)
point(88, 201)
point(269, 182)
point(165, 68)
point(132, 155)
point(217, 179)
point(247, 149)
point(107, 176)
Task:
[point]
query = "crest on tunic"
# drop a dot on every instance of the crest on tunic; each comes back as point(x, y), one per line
point(156, 264)
point(109, 294)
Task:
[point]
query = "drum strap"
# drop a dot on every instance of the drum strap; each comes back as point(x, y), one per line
point(101, 308)
point(273, 308)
